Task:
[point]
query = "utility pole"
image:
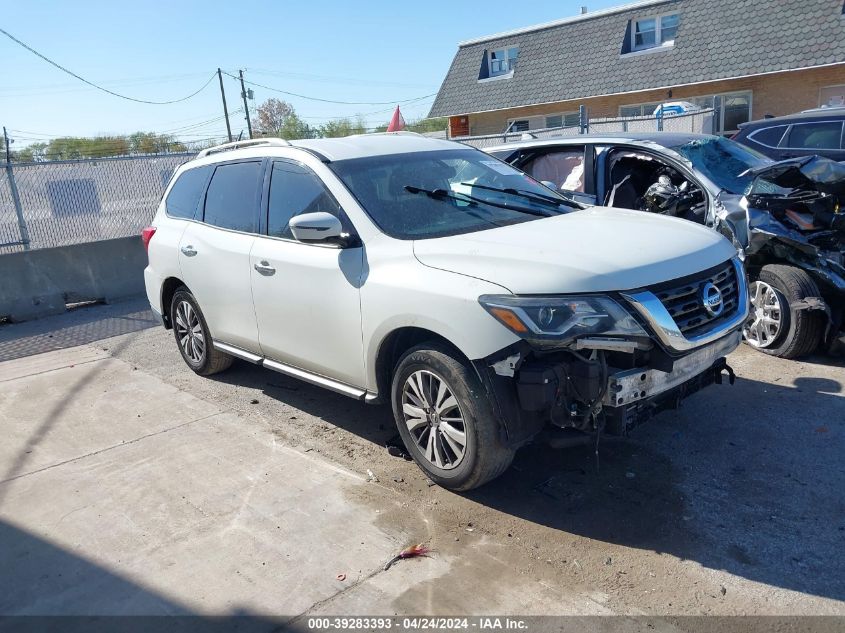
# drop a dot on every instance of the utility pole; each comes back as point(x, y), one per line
point(246, 107)
point(16, 199)
point(225, 109)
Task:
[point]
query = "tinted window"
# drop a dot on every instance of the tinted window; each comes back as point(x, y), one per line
point(822, 135)
point(295, 190)
point(231, 199)
point(186, 192)
point(770, 136)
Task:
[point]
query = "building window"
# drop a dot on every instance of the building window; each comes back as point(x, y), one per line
point(641, 109)
point(567, 119)
point(729, 110)
point(832, 96)
point(658, 30)
point(503, 61)
point(520, 125)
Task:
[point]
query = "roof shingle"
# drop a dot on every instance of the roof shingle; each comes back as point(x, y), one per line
point(716, 39)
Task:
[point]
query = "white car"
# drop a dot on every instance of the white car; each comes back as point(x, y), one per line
point(432, 276)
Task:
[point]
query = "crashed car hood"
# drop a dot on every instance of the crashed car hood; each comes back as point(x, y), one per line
point(813, 173)
point(596, 250)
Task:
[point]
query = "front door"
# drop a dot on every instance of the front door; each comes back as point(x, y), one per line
point(306, 295)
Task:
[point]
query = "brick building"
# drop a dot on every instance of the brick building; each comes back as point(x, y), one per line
point(745, 58)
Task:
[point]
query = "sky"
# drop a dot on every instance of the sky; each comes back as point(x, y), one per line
point(377, 52)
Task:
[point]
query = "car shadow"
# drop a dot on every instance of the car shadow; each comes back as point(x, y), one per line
point(746, 479)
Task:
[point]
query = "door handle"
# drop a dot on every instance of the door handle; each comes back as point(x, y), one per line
point(265, 269)
point(188, 251)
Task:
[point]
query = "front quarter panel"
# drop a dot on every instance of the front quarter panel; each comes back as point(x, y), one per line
point(401, 292)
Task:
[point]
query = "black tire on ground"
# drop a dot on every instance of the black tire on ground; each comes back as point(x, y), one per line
point(802, 330)
point(211, 361)
point(485, 457)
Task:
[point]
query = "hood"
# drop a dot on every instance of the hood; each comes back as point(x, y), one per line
point(596, 250)
point(811, 173)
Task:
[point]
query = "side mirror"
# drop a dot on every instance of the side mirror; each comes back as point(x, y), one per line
point(316, 227)
point(549, 184)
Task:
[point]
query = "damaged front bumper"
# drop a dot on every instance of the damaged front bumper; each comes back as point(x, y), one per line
point(635, 395)
point(608, 391)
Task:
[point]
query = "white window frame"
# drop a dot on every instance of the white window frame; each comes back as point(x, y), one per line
point(506, 53)
point(735, 93)
point(823, 88)
point(658, 36)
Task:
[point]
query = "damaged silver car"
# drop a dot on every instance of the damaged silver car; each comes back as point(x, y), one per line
point(783, 217)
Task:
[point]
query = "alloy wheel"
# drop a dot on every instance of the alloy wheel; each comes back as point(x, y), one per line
point(766, 320)
point(434, 419)
point(189, 332)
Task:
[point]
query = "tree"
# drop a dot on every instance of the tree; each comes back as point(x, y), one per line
point(342, 127)
point(32, 153)
point(275, 117)
point(420, 126)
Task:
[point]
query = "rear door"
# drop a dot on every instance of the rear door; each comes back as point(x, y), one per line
point(214, 252)
point(306, 296)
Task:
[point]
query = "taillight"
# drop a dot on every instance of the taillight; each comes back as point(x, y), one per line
point(147, 235)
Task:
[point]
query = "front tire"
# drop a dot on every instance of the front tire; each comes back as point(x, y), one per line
point(193, 337)
point(775, 328)
point(445, 419)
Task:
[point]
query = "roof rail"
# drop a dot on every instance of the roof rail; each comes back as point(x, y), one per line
point(225, 147)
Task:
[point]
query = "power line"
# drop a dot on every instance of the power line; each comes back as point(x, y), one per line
point(301, 96)
point(93, 85)
point(333, 79)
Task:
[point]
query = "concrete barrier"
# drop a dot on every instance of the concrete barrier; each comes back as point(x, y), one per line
point(38, 283)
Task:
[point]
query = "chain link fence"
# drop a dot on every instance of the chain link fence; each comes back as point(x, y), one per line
point(700, 121)
point(75, 201)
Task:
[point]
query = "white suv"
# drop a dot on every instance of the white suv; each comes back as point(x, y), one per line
point(426, 273)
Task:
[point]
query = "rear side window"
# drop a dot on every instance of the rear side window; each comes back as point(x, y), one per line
point(769, 136)
point(295, 190)
point(822, 135)
point(185, 194)
point(230, 202)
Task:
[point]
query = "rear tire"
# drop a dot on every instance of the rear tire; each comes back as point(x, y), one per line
point(193, 337)
point(796, 333)
point(445, 419)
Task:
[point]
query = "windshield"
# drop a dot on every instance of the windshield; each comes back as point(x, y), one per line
point(722, 161)
point(445, 192)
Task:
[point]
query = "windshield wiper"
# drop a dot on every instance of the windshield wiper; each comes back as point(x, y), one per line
point(440, 194)
point(443, 195)
point(529, 195)
point(465, 197)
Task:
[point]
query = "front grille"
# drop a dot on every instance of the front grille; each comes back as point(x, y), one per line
point(684, 302)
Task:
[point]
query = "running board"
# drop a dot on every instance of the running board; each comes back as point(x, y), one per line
point(237, 352)
point(294, 372)
point(315, 379)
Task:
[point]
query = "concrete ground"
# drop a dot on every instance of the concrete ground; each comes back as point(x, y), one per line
point(128, 485)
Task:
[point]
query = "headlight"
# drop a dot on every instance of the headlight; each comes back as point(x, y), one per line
point(554, 321)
